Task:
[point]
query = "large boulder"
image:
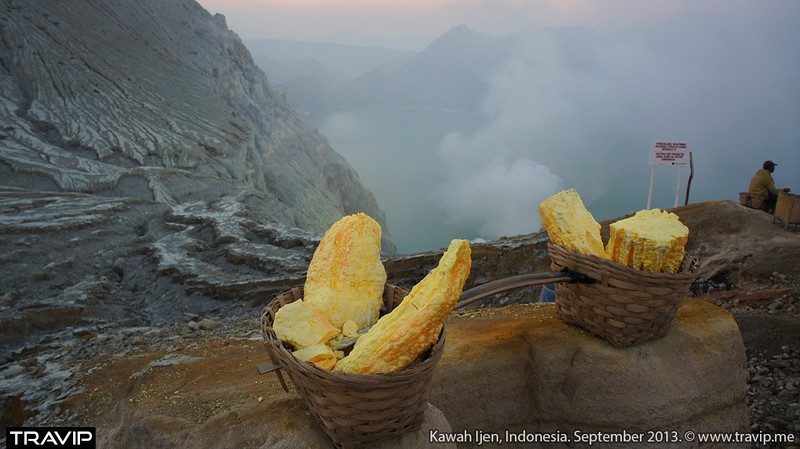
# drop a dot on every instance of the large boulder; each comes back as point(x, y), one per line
point(520, 369)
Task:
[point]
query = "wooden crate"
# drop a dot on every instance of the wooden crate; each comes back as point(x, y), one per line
point(787, 209)
point(752, 200)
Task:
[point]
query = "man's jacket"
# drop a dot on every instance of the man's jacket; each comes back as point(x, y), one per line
point(762, 183)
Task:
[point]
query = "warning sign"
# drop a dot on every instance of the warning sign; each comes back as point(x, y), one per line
point(669, 153)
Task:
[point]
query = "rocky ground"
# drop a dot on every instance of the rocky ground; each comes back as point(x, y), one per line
point(770, 324)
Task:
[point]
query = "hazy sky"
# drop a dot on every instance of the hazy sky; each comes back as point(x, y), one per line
point(412, 24)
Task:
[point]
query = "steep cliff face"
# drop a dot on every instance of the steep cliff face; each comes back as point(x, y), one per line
point(158, 100)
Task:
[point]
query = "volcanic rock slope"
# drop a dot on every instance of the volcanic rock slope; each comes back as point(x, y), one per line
point(158, 100)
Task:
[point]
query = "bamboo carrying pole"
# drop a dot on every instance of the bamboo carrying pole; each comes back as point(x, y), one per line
point(524, 280)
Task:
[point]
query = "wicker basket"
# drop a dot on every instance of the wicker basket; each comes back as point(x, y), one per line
point(787, 209)
point(354, 409)
point(752, 200)
point(624, 306)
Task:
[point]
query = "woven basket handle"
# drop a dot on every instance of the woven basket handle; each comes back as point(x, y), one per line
point(513, 282)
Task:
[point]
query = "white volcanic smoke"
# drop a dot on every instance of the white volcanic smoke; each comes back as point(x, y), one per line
point(498, 197)
point(578, 108)
point(493, 180)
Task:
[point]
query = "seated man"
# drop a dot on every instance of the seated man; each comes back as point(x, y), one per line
point(763, 184)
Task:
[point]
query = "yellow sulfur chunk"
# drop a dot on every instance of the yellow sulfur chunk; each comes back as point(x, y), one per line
point(399, 337)
point(350, 329)
point(651, 240)
point(346, 277)
point(326, 364)
point(320, 355)
point(313, 353)
point(570, 224)
point(302, 326)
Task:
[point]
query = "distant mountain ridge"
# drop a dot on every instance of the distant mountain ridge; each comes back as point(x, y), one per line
point(158, 100)
point(451, 73)
point(276, 55)
point(311, 73)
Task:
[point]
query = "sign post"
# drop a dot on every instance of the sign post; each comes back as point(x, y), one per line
point(678, 185)
point(668, 153)
point(689, 181)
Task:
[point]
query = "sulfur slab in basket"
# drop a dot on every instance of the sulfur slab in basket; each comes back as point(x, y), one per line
point(651, 240)
point(301, 325)
point(570, 225)
point(399, 337)
point(321, 355)
point(346, 276)
point(344, 286)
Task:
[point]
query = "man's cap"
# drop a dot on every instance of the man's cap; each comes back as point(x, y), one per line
point(769, 164)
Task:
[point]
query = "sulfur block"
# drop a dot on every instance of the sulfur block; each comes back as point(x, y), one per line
point(570, 224)
point(651, 240)
point(400, 336)
point(350, 329)
point(300, 325)
point(314, 353)
point(346, 276)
